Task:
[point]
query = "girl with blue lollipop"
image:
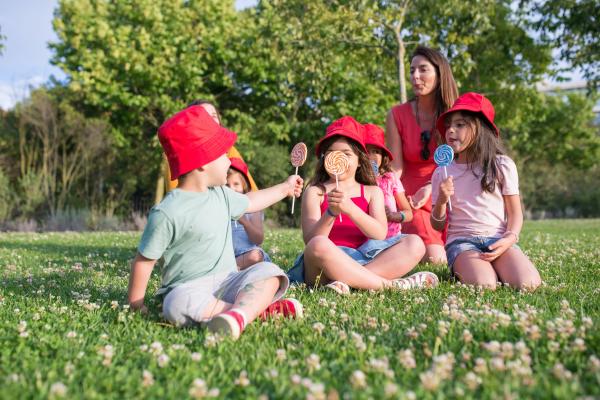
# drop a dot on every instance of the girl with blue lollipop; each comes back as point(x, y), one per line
point(481, 182)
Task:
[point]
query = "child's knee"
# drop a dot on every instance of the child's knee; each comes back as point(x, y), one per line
point(416, 244)
point(318, 246)
point(485, 282)
point(254, 256)
point(530, 282)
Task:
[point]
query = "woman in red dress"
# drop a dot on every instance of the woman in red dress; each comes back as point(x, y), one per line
point(412, 138)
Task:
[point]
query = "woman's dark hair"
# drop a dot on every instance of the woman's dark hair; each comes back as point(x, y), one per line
point(364, 173)
point(446, 91)
point(483, 151)
point(199, 102)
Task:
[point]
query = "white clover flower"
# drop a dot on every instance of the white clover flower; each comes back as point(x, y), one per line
point(467, 336)
point(162, 360)
point(407, 359)
point(358, 379)
point(242, 380)
point(196, 356)
point(318, 327)
point(71, 334)
point(429, 380)
point(280, 354)
point(472, 380)
point(58, 389)
point(147, 378)
point(390, 390)
point(313, 362)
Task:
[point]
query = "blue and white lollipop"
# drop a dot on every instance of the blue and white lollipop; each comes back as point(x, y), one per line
point(443, 156)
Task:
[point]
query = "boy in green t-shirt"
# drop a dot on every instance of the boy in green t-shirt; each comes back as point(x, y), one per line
point(191, 230)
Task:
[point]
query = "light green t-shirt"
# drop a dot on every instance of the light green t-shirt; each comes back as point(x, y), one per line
point(192, 232)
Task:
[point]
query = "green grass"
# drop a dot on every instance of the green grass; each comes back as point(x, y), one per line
point(63, 287)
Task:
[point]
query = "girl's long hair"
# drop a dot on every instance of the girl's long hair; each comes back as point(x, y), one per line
point(446, 91)
point(483, 151)
point(364, 172)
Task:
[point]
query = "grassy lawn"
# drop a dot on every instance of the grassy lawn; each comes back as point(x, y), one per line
point(64, 330)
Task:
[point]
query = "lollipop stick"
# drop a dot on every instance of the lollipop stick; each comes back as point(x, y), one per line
point(336, 186)
point(449, 201)
point(294, 195)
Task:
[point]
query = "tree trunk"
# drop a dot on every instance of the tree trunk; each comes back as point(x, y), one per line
point(160, 182)
point(401, 70)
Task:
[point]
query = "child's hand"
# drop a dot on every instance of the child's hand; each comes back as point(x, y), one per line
point(391, 215)
point(140, 307)
point(338, 202)
point(295, 183)
point(420, 197)
point(446, 190)
point(497, 248)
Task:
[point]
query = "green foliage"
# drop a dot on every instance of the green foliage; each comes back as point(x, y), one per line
point(6, 197)
point(63, 320)
point(573, 27)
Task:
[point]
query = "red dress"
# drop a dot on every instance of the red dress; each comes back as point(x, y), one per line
point(416, 172)
point(346, 233)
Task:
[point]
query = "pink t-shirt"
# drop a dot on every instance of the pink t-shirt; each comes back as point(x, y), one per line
point(390, 185)
point(474, 211)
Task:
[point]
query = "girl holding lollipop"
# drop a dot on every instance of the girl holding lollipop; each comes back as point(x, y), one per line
point(351, 251)
point(483, 187)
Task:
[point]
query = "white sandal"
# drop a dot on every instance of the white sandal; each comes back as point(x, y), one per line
point(419, 280)
point(339, 287)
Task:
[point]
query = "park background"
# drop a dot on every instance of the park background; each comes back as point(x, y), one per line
point(78, 148)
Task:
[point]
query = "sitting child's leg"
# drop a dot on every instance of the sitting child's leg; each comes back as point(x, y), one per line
point(321, 255)
point(513, 267)
point(249, 258)
point(399, 259)
point(255, 291)
point(471, 270)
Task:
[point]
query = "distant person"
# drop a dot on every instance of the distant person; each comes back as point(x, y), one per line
point(412, 138)
point(397, 208)
point(211, 109)
point(191, 231)
point(247, 231)
point(482, 188)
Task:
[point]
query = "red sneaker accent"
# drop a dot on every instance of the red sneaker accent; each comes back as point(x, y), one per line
point(228, 323)
point(289, 308)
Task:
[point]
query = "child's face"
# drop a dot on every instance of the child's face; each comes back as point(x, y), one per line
point(235, 181)
point(422, 76)
point(212, 111)
point(459, 134)
point(343, 146)
point(374, 154)
point(216, 170)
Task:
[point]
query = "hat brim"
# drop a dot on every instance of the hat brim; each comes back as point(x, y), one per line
point(462, 107)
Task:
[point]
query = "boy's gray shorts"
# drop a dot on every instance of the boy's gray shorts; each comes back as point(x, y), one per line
point(186, 303)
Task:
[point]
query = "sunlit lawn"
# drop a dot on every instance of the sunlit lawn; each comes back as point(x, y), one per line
point(65, 332)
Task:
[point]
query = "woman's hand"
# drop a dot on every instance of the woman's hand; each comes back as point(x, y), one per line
point(420, 197)
point(498, 248)
point(339, 202)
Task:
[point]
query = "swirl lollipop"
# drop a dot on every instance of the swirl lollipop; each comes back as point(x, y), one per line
point(443, 156)
point(298, 158)
point(336, 163)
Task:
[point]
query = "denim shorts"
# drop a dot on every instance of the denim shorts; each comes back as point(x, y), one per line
point(362, 255)
point(479, 244)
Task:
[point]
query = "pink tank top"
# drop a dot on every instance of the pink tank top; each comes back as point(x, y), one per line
point(346, 233)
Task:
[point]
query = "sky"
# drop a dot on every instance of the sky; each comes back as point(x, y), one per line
point(27, 26)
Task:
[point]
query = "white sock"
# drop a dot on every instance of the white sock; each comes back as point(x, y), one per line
point(242, 313)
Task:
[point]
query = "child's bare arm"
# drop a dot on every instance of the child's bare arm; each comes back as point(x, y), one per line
point(438, 213)
point(313, 223)
point(141, 268)
point(262, 199)
point(402, 206)
point(254, 227)
point(514, 216)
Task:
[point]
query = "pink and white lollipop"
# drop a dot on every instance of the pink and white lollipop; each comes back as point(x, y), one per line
point(336, 163)
point(298, 158)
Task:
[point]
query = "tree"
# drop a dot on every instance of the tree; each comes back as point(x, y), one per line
point(573, 26)
point(136, 63)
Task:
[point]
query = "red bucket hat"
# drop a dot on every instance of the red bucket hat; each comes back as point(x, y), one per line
point(347, 127)
point(191, 139)
point(474, 102)
point(239, 165)
point(375, 136)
